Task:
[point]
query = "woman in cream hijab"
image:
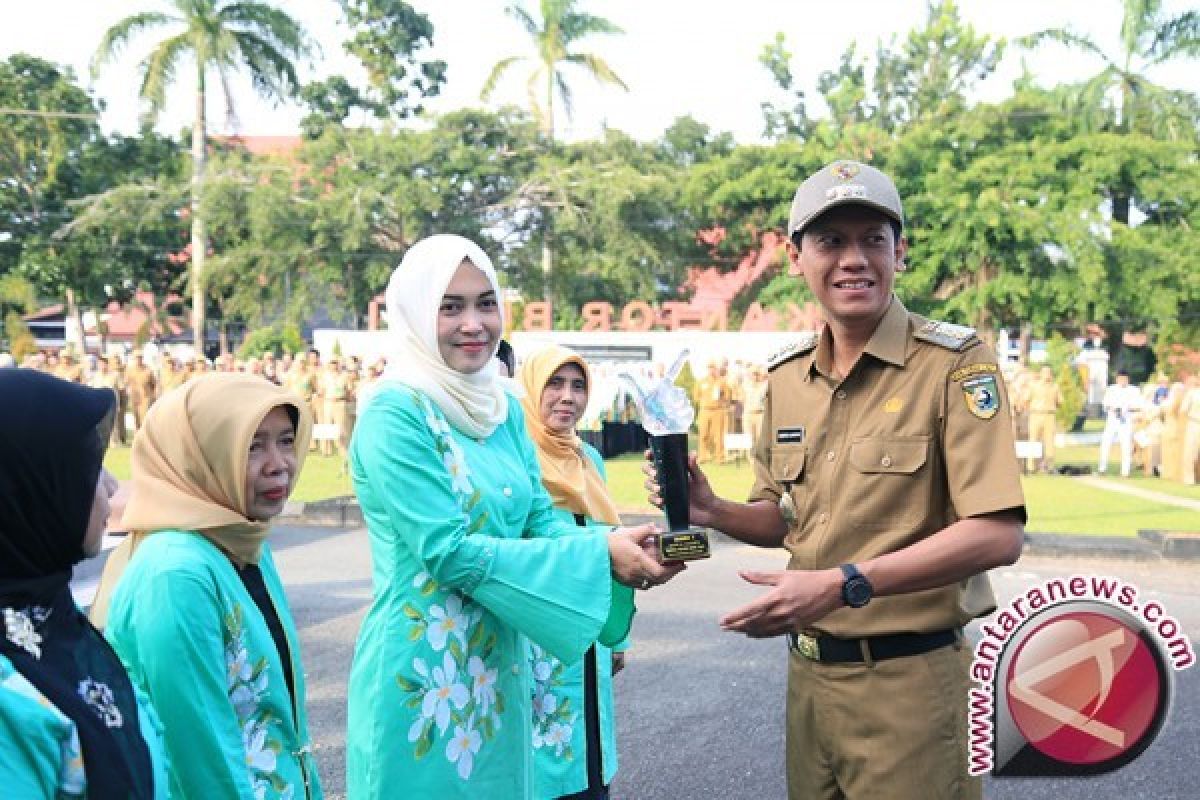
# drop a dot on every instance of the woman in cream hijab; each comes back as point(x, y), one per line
point(471, 561)
point(198, 612)
point(574, 727)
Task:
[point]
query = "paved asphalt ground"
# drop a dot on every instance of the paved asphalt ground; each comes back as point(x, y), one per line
point(700, 711)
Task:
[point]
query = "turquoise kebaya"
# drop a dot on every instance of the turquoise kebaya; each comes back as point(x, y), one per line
point(471, 565)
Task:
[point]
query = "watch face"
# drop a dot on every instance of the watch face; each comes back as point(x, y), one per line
point(857, 591)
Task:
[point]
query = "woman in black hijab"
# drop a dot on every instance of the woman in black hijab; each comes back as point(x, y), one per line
point(71, 723)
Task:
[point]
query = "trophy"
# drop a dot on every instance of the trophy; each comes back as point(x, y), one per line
point(666, 415)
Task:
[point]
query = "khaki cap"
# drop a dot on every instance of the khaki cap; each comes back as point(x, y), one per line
point(842, 183)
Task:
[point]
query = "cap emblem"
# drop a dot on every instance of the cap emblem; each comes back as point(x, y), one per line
point(844, 170)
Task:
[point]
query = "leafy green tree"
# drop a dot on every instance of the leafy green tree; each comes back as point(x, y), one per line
point(388, 39)
point(1121, 97)
point(219, 36)
point(933, 69)
point(49, 122)
point(781, 122)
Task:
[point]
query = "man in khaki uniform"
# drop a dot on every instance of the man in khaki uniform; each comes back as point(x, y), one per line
point(1044, 400)
point(1189, 409)
point(69, 368)
point(712, 397)
point(335, 394)
point(754, 400)
point(887, 469)
point(142, 387)
point(106, 377)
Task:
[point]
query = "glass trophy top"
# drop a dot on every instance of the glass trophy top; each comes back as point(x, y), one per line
point(664, 407)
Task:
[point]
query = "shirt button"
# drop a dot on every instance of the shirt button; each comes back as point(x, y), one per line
point(841, 394)
point(516, 670)
point(886, 461)
point(507, 491)
point(831, 455)
point(823, 518)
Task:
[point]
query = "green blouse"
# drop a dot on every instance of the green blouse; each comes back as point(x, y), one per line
point(559, 726)
point(471, 563)
point(191, 636)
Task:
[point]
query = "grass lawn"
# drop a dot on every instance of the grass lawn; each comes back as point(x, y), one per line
point(1056, 504)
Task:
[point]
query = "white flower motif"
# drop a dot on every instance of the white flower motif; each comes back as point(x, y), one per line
point(456, 465)
point(237, 663)
point(420, 579)
point(446, 621)
point(100, 698)
point(463, 746)
point(446, 691)
point(544, 703)
point(558, 736)
point(259, 757)
point(20, 631)
point(436, 425)
point(483, 686)
point(542, 670)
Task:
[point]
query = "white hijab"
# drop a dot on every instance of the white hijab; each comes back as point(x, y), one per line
point(474, 403)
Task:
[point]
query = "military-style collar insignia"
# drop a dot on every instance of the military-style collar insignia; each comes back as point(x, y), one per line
point(805, 344)
point(945, 334)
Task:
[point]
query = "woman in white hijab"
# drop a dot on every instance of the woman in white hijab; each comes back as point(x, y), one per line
point(470, 561)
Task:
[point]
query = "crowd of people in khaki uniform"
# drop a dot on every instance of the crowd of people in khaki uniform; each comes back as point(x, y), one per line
point(728, 399)
point(331, 388)
point(1155, 426)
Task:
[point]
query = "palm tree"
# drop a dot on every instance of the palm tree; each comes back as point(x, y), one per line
point(1120, 98)
point(561, 27)
point(221, 36)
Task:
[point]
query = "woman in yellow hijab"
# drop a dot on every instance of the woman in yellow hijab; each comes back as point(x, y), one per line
point(574, 755)
point(198, 613)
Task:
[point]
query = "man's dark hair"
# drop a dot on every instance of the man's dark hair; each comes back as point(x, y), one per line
point(506, 355)
point(897, 230)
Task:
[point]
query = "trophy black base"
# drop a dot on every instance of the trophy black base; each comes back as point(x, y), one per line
point(686, 545)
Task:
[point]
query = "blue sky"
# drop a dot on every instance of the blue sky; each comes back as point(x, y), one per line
point(698, 58)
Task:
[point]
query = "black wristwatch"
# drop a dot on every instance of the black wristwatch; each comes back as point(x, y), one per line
point(856, 589)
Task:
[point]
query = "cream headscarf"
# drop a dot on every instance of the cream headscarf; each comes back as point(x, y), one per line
point(568, 474)
point(476, 403)
point(189, 468)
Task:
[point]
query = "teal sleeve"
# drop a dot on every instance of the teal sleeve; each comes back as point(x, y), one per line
point(554, 590)
point(31, 758)
point(176, 631)
point(621, 607)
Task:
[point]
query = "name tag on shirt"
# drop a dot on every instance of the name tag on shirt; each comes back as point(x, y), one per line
point(789, 435)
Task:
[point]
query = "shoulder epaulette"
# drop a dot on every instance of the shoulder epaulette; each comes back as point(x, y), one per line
point(805, 344)
point(945, 334)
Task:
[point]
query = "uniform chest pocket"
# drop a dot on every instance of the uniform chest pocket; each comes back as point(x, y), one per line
point(887, 482)
point(787, 464)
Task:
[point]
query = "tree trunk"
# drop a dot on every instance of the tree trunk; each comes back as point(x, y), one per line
point(75, 313)
point(548, 262)
point(199, 235)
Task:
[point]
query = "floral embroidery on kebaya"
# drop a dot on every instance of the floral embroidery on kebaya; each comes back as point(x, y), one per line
point(246, 684)
point(553, 719)
point(455, 699)
point(100, 698)
point(21, 628)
